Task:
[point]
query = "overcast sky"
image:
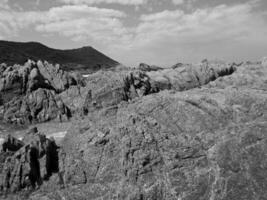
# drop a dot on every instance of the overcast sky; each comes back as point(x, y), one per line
point(161, 32)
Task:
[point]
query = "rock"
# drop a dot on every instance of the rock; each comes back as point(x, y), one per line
point(147, 68)
point(59, 79)
point(30, 93)
point(36, 161)
point(74, 98)
point(177, 65)
point(39, 106)
point(11, 144)
point(203, 143)
point(108, 89)
point(188, 76)
point(17, 80)
point(103, 90)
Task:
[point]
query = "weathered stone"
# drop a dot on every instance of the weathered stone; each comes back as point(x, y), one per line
point(11, 144)
point(147, 68)
point(204, 143)
point(17, 80)
point(36, 161)
point(39, 106)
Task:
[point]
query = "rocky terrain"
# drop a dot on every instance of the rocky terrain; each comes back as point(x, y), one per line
point(191, 131)
point(85, 60)
point(30, 93)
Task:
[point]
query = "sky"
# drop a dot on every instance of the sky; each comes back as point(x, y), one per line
point(160, 32)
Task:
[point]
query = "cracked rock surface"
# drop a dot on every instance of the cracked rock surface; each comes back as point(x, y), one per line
point(196, 134)
point(206, 143)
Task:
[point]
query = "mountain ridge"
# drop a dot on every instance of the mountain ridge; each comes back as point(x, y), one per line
point(85, 59)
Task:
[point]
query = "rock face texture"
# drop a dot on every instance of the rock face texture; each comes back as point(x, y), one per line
point(106, 89)
point(148, 68)
point(30, 93)
point(28, 165)
point(19, 79)
point(39, 106)
point(204, 143)
point(188, 133)
point(45, 92)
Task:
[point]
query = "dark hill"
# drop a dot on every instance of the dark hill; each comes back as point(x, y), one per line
point(85, 59)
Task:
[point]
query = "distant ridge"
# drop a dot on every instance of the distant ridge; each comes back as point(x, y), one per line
point(85, 59)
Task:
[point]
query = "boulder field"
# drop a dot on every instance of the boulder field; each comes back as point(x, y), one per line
point(191, 132)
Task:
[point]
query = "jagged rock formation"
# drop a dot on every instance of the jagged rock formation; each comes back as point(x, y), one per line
point(204, 143)
point(32, 76)
point(30, 92)
point(107, 89)
point(39, 106)
point(194, 132)
point(35, 160)
point(103, 89)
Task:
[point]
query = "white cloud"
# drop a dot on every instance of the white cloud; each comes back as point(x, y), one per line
point(4, 4)
point(91, 2)
point(161, 38)
point(178, 2)
point(75, 21)
point(226, 32)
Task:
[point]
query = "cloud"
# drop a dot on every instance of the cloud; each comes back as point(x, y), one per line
point(178, 2)
point(93, 2)
point(226, 32)
point(162, 38)
point(74, 21)
point(4, 4)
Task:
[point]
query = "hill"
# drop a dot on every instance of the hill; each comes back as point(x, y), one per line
point(85, 59)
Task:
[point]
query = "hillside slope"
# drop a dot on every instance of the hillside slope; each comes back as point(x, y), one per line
point(85, 59)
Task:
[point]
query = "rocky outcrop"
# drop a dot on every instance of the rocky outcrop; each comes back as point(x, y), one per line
point(32, 76)
point(104, 89)
point(27, 167)
point(185, 133)
point(11, 144)
point(31, 92)
point(148, 68)
point(39, 106)
point(189, 76)
point(205, 143)
point(59, 79)
point(107, 89)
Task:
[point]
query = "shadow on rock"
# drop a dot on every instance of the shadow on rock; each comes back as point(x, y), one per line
point(27, 163)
